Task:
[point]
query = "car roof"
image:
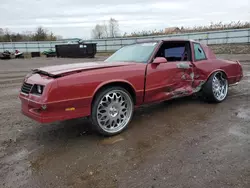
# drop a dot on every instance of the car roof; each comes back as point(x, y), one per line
point(168, 40)
point(178, 39)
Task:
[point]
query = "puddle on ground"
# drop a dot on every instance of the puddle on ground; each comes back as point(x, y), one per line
point(243, 114)
point(247, 75)
point(111, 140)
point(239, 132)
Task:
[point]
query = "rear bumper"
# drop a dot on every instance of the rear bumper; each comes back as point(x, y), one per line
point(234, 80)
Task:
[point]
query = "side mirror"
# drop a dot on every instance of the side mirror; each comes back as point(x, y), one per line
point(159, 60)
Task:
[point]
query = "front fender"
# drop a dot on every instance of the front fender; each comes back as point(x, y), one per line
point(112, 82)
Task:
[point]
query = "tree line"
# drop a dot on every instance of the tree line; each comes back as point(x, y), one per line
point(112, 29)
point(40, 34)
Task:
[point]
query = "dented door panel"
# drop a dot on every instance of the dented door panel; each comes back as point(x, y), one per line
point(169, 80)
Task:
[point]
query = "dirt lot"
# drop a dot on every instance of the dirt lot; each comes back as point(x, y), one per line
point(180, 143)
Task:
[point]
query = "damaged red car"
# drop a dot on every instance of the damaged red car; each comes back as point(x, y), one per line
point(108, 92)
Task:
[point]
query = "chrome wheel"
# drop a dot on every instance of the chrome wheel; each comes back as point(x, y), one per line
point(114, 111)
point(220, 86)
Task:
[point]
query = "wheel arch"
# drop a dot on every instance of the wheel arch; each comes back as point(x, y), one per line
point(217, 70)
point(207, 87)
point(121, 83)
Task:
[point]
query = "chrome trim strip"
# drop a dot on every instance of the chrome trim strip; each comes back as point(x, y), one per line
point(24, 94)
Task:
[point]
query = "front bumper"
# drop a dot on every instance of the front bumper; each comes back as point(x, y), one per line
point(55, 111)
point(34, 111)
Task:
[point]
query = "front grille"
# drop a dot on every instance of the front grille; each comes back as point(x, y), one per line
point(26, 88)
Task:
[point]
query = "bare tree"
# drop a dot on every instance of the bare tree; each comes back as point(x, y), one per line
point(98, 32)
point(1, 32)
point(51, 37)
point(40, 34)
point(105, 29)
point(59, 37)
point(7, 35)
point(27, 35)
point(113, 28)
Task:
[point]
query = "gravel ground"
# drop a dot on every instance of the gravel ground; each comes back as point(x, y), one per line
point(181, 143)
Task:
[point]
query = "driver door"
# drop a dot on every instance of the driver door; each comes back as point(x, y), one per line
point(172, 79)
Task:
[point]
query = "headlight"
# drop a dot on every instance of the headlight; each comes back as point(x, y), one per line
point(37, 89)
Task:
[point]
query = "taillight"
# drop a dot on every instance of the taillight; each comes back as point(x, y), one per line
point(240, 70)
point(240, 66)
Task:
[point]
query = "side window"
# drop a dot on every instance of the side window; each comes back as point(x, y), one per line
point(175, 52)
point(198, 52)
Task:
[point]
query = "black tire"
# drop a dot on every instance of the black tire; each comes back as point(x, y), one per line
point(97, 99)
point(207, 90)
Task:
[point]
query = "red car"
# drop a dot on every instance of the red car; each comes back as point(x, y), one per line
point(136, 74)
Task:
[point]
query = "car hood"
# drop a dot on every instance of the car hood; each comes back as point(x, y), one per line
point(60, 70)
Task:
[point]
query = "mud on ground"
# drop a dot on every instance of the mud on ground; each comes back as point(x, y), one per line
point(180, 143)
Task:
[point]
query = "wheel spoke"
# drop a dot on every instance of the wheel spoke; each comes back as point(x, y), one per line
point(119, 99)
point(104, 117)
point(216, 79)
point(113, 123)
point(107, 122)
point(223, 89)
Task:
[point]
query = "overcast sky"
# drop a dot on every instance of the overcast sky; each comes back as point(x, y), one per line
point(76, 18)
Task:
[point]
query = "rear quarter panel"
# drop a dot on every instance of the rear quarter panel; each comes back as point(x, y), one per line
point(204, 69)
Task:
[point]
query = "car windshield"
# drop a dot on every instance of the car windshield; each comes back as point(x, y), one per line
point(133, 53)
